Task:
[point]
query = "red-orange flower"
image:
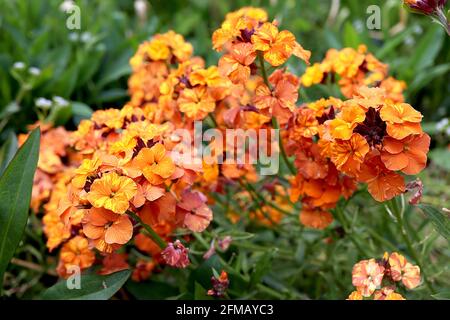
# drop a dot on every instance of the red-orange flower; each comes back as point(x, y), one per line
point(383, 184)
point(348, 155)
point(408, 155)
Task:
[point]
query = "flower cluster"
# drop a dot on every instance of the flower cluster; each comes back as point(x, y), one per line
point(380, 278)
point(367, 139)
point(118, 181)
point(354, 68)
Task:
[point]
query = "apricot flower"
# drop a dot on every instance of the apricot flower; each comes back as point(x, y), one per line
point(112, 192)
point(277, 46)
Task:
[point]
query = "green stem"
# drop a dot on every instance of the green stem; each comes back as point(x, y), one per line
point(159, 241)
point(263, 69)
point(398, 214)
point(283, 152)
point(442, 18)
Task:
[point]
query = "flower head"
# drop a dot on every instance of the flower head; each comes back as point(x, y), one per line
point(112, 192)
point(176, 255)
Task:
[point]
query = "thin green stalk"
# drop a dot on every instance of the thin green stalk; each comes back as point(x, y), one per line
point(283, 152)
point(159, 241)
point(263, 69)
point(398, 214)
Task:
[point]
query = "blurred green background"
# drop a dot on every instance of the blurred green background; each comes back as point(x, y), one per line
point(88, 68)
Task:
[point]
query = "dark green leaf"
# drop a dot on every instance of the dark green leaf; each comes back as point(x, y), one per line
point(80, 111)
point(440, 221)
point(15, 195)
point(92, 287)
point(151, 290)
point(440, 157)
point(8, 151)
point(444, 295)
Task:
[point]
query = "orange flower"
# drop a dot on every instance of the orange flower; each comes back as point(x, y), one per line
point(143, 270)
point(106, 229)
point(387, 293)
point(207, 77)
point(155, 164)
point(279, 102)
point(383, 184)
point(316, 219)
point(76, 252)
point(401, 119)
point(113, 262)
point(88, 167)
point(408, 155)
point(303, 124)
point(355, 295)
point(402, 270)
point(112, 192)
point(342, 126)
point(367, 276)
point(194, 210)
point(348, 155)
point(196, 103)
point(277, 46)
point(236, 64)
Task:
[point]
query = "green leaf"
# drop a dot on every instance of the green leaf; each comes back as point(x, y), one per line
point(351, 37)
point(426, 76)
point(59, 115)
point(15, 195)
point(262, 267)
point(151, 290)
point(444, 295)
point(200, 292)
point(440, 221)
point(80, 111)
point(427, 49)
point(9, 110)
point(92, 287)
point(440, 158)
point(8, 151)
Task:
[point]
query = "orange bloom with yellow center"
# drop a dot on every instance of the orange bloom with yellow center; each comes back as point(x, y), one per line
point(236, 64)
point(112, 192)
point(348, 155)
point(401, 119)
point(277, 46)
point(76, 252)
point(402, 270)
point(155, 164)
point(408, 155)
point(196, 103)
point(107, 230)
